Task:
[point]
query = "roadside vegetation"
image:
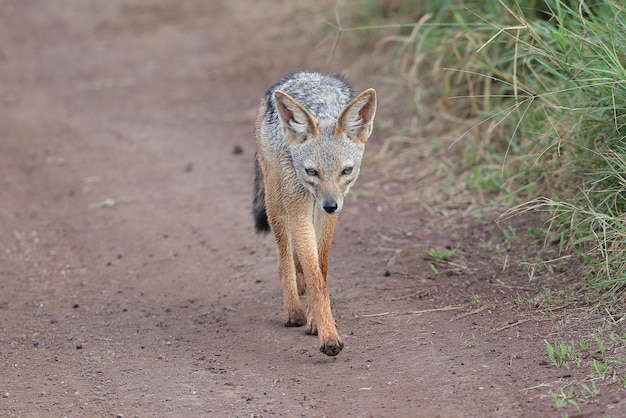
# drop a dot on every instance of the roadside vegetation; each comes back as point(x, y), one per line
point(535, 94)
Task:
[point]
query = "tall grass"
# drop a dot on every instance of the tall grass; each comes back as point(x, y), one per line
point(574, 79)
point(541, 86)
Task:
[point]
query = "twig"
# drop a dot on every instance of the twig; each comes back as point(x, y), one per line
point(392, 260)
point(474, 312)
point(514, 324)
point(384, 237)
point(511, 287)
point(556, 308)
point(418, 293)
point(444, 309)
point(539, 386)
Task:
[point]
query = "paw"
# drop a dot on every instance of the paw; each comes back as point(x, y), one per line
point(295, 318)
point(332, 347)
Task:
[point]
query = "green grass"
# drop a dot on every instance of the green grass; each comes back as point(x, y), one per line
point(443, 254)
point(562, 353)
point(591, 390)
point(569, 125)
point(561, 399)
point(471, 343)
point(600, 359)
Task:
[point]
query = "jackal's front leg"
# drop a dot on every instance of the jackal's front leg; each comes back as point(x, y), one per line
point(294, 315)
point(324, 225)
point(320, 317)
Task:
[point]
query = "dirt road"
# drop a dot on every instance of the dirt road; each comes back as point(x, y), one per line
point(131, 282)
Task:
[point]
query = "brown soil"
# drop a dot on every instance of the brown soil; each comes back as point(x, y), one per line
point(131, 281)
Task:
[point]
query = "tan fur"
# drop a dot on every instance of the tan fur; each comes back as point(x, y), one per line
point(298, 213)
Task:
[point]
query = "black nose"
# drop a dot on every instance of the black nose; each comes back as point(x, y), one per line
point(330, 206)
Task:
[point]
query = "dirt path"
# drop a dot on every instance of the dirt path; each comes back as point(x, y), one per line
point(131, 283)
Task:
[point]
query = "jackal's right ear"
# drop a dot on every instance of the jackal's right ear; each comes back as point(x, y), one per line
point(298, 123)
point(357, 119)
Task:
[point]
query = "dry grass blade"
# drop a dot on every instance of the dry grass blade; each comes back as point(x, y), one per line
point(514, 324)
point(420, 312)
point(474, 312)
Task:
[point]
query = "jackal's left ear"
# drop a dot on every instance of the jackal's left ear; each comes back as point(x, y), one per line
point(357, 118)
point(298, 123)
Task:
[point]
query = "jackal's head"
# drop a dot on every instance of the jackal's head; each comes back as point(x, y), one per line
point(327, 155)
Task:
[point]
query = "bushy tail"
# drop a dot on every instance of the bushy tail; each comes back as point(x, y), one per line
point(261, 224)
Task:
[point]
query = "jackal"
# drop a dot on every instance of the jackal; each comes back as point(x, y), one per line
point(310, 137)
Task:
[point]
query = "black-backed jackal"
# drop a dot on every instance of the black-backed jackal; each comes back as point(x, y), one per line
point(310, 136)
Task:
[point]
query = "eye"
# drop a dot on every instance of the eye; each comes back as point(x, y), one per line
point(311, 172)
point(346, 171)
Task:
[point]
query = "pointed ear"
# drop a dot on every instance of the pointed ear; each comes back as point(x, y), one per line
point(298, 123)
point(357, 118)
